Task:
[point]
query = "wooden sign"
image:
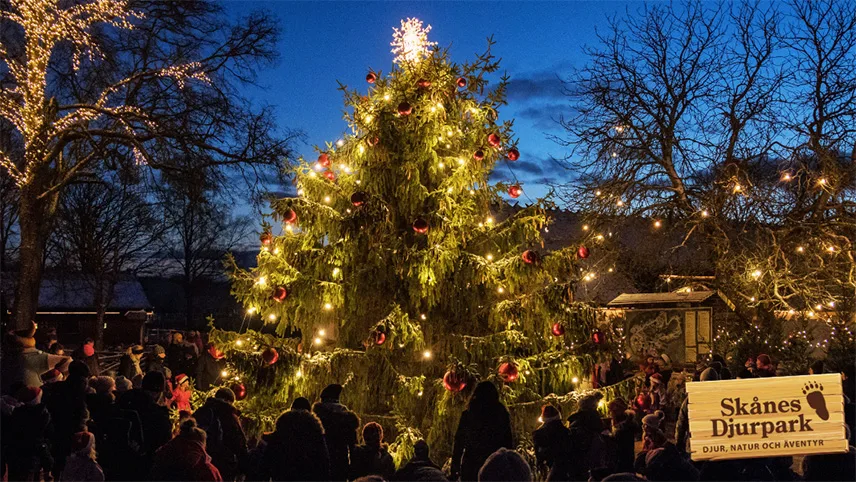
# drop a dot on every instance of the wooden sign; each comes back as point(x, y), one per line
point(766, 417)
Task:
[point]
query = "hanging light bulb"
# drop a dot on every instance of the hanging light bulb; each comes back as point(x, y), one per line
point(426, 354)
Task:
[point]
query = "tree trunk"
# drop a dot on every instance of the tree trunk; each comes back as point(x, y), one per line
point(35, 220)
point(97, 332)
point(188, 302)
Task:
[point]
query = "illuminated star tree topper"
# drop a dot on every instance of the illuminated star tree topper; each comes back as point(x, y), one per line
point(410, 42)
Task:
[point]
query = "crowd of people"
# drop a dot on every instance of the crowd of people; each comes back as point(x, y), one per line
point(64, 419)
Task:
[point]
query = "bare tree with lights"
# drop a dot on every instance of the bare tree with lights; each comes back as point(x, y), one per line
point(736, 125)
point(97, 84)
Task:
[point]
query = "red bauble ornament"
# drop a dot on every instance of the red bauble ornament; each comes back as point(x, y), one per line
point(597, 337)
point(270, 355)
point(454, 381)
point(478, 155)
point(330, 175)
point(240, 391)
point(373, 141)
point(558, 329)
point(290, 216)
point(531, 257)
point(508, 372)
point(462, 82)
point(266, 238)
point(420, 225)
point(513, 154)
point(582, 252)
point(359, 198)
point(324, 160)
point(515, 191)
point(494, 139)
point(280, 294)
point(423, 84)
point(371, 77)
point(405, 109)
point(378, 337)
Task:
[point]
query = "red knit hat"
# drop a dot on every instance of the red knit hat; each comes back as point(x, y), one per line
point(82, 442)
point(29, 395)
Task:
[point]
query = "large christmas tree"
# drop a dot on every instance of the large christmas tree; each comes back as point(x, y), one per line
point(401, 272)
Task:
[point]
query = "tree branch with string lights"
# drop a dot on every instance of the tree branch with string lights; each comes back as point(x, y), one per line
point(732, 124)
point(399, 271)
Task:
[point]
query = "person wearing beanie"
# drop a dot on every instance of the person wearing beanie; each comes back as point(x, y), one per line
point(623, 434)
point(81, 465)
point(129, 363)
point(372, 457)
point(29, 433)
point(23, 363)
point(505, 464)
point(588, 449)
point(420, 467)
point(551, 442)
point(208, 368)
point(147, 401)
point(185, 457)
point(682, 427)
point(157, 360)
point(86, 353)
point(182, 392)
point(122, 385)
point(227, 442)
point(296, 450)
point(653, 437)
point(340, 428)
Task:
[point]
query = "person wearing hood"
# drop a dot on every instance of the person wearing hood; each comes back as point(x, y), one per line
point(420, 467)
point(29, 431)
point(86, 353)
point(81, 465)
point(588, 446)
point(484, 428)
point(129, 364)
point(23, 364)
point(623, 435)
point(227, 442)
point(296, 450)
point(551, 441)
point(340, 428)
point(208, 368)
point(185, 457)
point(682, 427)
point(371, 458)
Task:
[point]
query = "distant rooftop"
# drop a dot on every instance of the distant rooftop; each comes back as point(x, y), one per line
point(627, 299)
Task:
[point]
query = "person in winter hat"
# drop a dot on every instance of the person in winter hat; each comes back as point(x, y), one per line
point(296, 450)
point(505, 464)
point(371, 458)
point(185, 457)
point(208, 368)
point(86, 353)
point(129, 364)
point(301, 403)
point(182, 392)
point(588, 448)
point(81, 465)
point(29, 434)
point(653, 437)
point(682, 427)
point(551, 441)
point(147, 401)
point(52, 376)
point(420, 467)
point(340, 428)
point(157, 360)
point(484, 428)
point(227, 442)
point(122, 384)
point(623, 435)
point(657, 393)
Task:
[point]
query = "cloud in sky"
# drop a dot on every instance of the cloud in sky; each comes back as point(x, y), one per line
point(540, 84)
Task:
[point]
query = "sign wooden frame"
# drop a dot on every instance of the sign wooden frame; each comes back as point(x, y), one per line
point(766, 417)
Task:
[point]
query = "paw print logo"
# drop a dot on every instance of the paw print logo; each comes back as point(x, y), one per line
point(813, 392)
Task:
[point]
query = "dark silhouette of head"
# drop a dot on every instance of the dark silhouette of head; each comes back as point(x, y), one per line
point(485, 395)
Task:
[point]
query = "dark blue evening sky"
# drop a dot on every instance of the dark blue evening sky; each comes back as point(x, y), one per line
point(326, 42)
